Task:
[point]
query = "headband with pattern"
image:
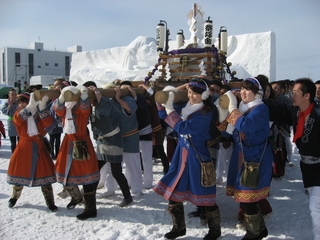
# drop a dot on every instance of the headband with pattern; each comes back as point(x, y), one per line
point(254, 81)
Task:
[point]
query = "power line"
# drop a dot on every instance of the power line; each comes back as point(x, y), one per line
point(298, 59)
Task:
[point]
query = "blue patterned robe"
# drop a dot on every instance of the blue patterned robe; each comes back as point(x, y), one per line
point(183, 180)
point(253, 128)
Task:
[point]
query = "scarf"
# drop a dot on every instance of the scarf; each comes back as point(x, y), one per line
point(69, 127)
point(32, 126)
point(188, 109)
point(301, 121)
point(244, 107)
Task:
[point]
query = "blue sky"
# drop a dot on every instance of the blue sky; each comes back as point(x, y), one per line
point(101, 24)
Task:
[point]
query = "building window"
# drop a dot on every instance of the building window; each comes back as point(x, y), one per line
point(17, 59)
point(67, 65)
point(31, 64)
point(56, 64)
point(46, 64)
point(39, 66)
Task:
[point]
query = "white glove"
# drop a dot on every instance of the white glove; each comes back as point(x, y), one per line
point(170, 88)
point(43, 102)
point(223, 112)
point(233, 103)
point(169, 104)
point(73, 89)
point(61, 99)
point(32, 105)
point(67, 93)
point(84, 92)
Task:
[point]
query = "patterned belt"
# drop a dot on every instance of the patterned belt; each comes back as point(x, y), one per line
point(130, 133)
point(310, 159)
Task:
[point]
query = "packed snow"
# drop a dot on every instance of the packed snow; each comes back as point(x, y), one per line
point(250, 55)
point(146, 218)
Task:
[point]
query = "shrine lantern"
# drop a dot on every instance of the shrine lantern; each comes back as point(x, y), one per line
point(208, 30)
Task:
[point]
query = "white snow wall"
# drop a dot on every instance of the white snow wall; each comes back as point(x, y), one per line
point(250, 55)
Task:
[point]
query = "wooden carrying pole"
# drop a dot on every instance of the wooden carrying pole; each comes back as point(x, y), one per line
point(69, 96)
point(179, 96)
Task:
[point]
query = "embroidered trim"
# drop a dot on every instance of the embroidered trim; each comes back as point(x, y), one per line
point(45, 113)
point(247, 195)
point(172, 119)
point(307, 130)
point(233, 116)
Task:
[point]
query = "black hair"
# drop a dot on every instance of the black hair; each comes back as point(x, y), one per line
point(216, 82)
point(89, 83)
point(246, 84)
point(226, 87)
point(126, 83)
point(263, 80)
point(307, 86)
point(24, 97)
point(73, 83)
point(272, 95)
point(208, 105)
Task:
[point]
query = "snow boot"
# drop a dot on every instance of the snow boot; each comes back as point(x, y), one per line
point(16, 193)
point(90, 210)
point(48, 196)
point(263, 229)
point(179, 225)
point(76, 196)
point(213, 219)
point(252, 225)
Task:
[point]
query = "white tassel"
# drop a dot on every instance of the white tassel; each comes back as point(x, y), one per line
point(32, 127)
point(69, 127)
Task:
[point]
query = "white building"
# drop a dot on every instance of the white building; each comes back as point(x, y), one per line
point(18, 64)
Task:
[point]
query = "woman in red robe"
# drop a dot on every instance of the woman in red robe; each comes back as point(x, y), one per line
point(31, 164)
point(69, 171)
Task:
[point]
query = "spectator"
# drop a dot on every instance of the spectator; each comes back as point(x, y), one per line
point(317, 98)
point(2, 131)
point(304, 115)
point(9, 109)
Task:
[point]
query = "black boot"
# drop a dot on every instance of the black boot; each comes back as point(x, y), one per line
point(213, 218)
point(12, 202)
point(125, 202)
point(48, 196)
point(252, 225)
point(76, 196)
point(263, 229)
point(90, 210)
point(16, 193)
point(179, 225)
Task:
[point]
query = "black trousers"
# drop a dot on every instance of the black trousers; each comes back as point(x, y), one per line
point(116, 170)
point(13, 142)
point(55, 140)
point(249, 208)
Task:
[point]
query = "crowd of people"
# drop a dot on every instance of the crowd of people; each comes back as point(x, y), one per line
point(244, 128)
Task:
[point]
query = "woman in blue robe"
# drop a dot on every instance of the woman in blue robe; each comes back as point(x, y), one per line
point(251, 132)
point(183, 180)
